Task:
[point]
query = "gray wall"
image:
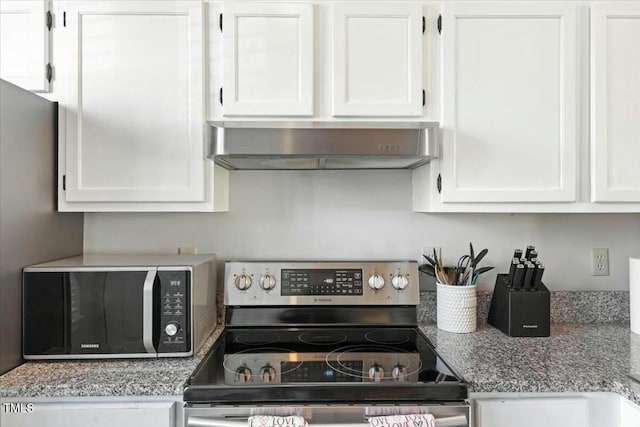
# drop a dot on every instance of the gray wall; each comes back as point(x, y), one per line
point(367, 214)
point(31, 231)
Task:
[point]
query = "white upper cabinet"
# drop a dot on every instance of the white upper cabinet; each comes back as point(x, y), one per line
point(377, 59)
point(268, 56)
point(133, 101)
point(24, 44)
point(615, 102)
point(509, 102)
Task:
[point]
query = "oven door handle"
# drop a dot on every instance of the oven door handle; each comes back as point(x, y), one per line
point(453, 421)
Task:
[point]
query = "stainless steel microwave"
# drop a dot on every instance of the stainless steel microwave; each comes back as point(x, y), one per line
point(118, 306)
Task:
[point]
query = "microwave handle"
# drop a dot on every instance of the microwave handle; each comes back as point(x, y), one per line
point(147, 311)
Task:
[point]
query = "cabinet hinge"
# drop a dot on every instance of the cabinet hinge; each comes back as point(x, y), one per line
point(424, 98)
point(220, 22)
point(424, 24)
point(64, 19)
point(49, 72)
point(64, 182)
point(220, 96)
point(439, 183)
point(49, 20)
point(440, 24)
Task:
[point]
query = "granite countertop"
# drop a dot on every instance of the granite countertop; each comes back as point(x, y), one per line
point(117, 377)
point(575, 358)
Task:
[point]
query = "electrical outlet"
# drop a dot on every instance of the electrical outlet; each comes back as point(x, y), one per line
point(187, 251)
point(600, 261)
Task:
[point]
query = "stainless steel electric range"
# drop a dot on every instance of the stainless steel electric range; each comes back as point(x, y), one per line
point(334, 342)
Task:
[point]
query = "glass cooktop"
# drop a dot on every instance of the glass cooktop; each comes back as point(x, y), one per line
point(270, 365)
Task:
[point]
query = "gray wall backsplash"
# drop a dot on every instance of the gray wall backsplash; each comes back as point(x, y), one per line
point(566, 307)
point(367, 215)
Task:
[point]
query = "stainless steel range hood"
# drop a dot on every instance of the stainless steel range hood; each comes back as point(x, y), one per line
point(322, 145)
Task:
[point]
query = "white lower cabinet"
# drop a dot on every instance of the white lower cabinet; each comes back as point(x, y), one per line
point(629, 413)
point(90, 412)
point(553, 410)
point(548, 412)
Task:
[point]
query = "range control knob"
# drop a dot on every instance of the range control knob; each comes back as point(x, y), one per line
point(400, 282)
point(172, 328)
point(399, 373)
point(243, 374)
point(376, 373)
point(268, 374)
point(243, 282)
point(376, 282)
point(267, 282)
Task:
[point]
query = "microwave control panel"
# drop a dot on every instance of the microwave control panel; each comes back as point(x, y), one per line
point(175, 334)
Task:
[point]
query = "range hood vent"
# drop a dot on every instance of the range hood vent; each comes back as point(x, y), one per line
point(322, 145)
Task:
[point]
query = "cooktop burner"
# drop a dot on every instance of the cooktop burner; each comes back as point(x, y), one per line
point(326, 332)
point(323, 365)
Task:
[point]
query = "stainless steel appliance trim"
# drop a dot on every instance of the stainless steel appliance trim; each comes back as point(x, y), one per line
point(353, 142)
point(256, 296)
point(147, 311)
point(452, 421)
point(91, 356)
point(321, 124)
point(184, 354)
point(329, 415)
point(84, 269)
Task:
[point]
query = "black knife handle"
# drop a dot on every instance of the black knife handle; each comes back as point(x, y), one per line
point(527, 253)
point(528, 276)
point(512, 271)
point(537, 279)
point(518, 277)
point(517, 253)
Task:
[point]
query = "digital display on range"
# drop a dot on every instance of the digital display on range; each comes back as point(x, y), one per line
point(321, 282)
point(320, 372)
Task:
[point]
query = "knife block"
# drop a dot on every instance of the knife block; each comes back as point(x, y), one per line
point(520, 313)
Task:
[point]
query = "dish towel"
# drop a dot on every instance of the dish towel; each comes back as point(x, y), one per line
point(413, 420)
point(273, 421)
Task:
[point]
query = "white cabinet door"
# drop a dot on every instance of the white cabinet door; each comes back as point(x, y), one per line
point(615, 102)
point(24, 43)
point(133, 101)
point(268, 59)
point(509, 102)
point(629, 413)
point(532, 412)
point(85, 414)
point(377, 59)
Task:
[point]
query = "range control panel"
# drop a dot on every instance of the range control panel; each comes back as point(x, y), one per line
point(321, 283)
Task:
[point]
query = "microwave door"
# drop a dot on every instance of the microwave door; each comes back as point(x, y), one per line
point(109, 312)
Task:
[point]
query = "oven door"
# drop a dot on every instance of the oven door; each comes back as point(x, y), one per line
point(88, 313)
point(453, 414)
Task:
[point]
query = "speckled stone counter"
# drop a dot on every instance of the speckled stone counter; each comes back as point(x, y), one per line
point(118, 377)
point(575, 358)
